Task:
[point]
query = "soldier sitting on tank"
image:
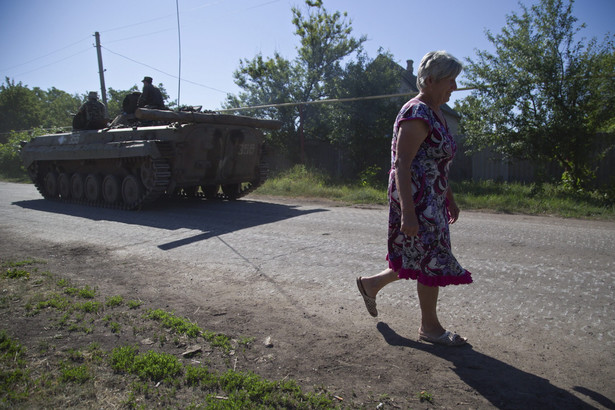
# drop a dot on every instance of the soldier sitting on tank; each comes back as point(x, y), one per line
point(151, 97)
point(92, 115)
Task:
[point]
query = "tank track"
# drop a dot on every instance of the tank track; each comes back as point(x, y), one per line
point(161, 180)
point(263, 170)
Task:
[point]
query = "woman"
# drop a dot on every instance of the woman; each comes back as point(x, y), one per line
point(421, 203)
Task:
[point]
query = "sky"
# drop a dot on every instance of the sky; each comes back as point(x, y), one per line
point(49, 44)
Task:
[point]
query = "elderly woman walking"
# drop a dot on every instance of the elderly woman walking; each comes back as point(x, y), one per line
point(421, 202)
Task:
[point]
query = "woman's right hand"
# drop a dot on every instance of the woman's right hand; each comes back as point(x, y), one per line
point(409, 223)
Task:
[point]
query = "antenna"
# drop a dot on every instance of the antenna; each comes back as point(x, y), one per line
point(179, 40)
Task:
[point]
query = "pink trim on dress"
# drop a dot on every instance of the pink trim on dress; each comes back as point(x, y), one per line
point(403, 273)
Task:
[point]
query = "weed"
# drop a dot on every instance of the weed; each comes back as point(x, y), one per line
point(16, 264)
point(134, 304)
point(425, 396)
point(71, 291)
point(175, 323)
point(87, 292)
point(218, 340)
point(75, 374)
point(115, 327)
point(114, 301)
point(156, 366)
point(63, 283)
point(245, 341)
point(89, 306)
point(17, 274)
point(122, 358)
point(56, 301)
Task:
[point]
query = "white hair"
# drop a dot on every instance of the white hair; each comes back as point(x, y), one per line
point(437, 65)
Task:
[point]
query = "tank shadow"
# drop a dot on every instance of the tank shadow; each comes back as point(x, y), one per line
point(210, 218)
point(503, 385)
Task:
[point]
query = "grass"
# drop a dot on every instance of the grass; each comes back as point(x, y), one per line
point(512, 198)
point(67, 346)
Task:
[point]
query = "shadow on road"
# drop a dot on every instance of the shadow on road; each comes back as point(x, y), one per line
point(211, 218)
point(505, 386)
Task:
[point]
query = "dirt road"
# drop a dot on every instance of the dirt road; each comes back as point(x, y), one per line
point(540, 315)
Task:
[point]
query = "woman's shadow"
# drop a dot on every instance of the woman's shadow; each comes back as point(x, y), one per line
point(505, 386)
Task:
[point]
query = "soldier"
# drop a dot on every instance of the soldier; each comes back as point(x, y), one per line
point(150, 95)
point(92, 115)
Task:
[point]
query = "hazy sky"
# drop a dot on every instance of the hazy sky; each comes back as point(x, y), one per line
point(48, 44)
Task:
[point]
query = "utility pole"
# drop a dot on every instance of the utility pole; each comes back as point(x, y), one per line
point(101, 72)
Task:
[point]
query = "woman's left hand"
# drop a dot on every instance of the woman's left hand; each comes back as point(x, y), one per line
point(453, 212)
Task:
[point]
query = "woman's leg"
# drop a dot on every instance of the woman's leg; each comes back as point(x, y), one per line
point(428, 301)
point(373, 284)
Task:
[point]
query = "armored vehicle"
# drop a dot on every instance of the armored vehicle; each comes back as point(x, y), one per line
point(150, 154)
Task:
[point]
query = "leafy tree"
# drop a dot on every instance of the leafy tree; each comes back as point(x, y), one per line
point(58, 107)
point(364, 127)
point(268, 81)
point(20, 107)
point(115, 99)
point(325, 40)
point(543, 95)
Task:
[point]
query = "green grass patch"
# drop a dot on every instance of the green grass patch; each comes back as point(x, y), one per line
point(66, 370)
point(531, 199)
point(504, 197)
point(171, 321)
point(15, 273)
point(114, 301)
point(302, 182)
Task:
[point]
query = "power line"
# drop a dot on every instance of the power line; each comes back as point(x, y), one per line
point(55, 62)
point(163, 72)
point(45, 55)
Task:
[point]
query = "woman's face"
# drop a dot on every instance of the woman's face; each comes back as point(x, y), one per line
point(441, 90)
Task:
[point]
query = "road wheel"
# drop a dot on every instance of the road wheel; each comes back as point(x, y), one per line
point(231, 191)
point(148, 174)
point(210, 191)
point(64, 185)
point(51, 184)
point(132, 190)
point(76, 186)
point(111, 189)
point(92, 187)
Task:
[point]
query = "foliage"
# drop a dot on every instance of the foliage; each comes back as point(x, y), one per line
point(115, 98)
point(543, 95)
point(58, 107)
point(303, 182)
point(20, 107)
point(325, 41)
point(10, 162)
point(363, 127)
point(177, 324)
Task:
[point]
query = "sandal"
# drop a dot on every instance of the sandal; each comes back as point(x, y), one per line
point(447, 338)
point(370, 303)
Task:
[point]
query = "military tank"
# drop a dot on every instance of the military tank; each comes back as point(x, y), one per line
point(151, 154)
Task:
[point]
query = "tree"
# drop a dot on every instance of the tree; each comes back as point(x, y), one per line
point(115, 100)
point(58, 107)
point(325, 40)
point(364, 127)
point(543, 95)
point(20, 107)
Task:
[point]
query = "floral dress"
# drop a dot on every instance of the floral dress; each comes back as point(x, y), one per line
point(427, 257)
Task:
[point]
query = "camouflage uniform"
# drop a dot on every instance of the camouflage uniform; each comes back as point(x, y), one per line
point(91, 116)
point(151, 97)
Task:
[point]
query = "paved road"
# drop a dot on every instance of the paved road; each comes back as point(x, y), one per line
point(542, 285)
